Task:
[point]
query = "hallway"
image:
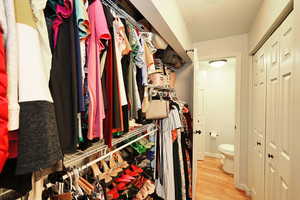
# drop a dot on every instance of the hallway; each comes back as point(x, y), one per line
point(214, 184)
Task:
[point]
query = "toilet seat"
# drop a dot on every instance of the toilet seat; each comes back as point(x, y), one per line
point(226, 149)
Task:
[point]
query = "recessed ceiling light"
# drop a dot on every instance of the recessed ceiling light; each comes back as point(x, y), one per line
point(217, 63)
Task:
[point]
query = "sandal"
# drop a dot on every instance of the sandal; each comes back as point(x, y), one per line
point(115, 170)
point(120, 162)
point(137, 169)
point(97, 172)
point(113, 194)
point(125, 178)
point(107, 172)
point(146, 143)
point(139, 148)
point(131, 173)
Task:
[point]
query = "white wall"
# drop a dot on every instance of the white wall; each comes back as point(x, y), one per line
point(269, 14)
point(170, 11)
point(185, 84)
point(225, 47)
point(219, 89)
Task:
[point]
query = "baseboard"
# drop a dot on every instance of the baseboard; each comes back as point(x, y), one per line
point(244, 188)
point(213, 155)
point(200, 156)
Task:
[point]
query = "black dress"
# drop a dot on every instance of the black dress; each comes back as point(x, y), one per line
point(63, 84)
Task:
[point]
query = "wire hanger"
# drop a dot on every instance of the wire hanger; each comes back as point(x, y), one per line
point(124, 15)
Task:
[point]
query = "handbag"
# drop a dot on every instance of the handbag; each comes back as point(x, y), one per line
point(157, 109)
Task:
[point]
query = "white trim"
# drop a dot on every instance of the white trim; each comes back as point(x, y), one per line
point(244, 188)
point(295, 148)
point(239, 61)
point(213, 155)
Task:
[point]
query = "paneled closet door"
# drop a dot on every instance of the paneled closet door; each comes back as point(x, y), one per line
point(259, 128)
point(286, 106)
point(279, 112)
point(254, 164)
point(272, 121)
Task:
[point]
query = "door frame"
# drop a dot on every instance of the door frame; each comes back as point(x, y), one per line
point(238, 83)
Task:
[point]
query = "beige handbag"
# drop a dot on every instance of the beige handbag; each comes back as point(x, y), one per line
point(157, 109)
point(159, 42)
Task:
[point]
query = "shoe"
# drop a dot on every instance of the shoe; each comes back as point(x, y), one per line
point(107, 172)
point(120, 162)
point(136, 169)
point(113, 194)
point(115, 170)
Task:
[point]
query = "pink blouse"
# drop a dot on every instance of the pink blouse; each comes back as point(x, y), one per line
point(99, 30)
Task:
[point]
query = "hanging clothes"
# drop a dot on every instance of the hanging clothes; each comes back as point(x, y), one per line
point(38, 128)
point(63, 81)
point(12, 67)
point(99, 30)
point(9, 180)
point(3, 99)
point(149, 50)
point(82, 32)
point(111, 120)
point(122, 48)
point(166, 187)
point(133, 91)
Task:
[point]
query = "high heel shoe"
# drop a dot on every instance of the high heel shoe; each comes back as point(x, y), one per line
point(114, 167)
point(120, 162)
point(107, 172)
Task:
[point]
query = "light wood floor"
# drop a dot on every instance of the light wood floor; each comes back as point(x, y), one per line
point(214, 184)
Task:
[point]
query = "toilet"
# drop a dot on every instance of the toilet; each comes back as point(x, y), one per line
point(227, 159)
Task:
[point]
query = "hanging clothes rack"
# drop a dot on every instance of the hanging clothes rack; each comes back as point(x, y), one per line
point(84, 167)
point(121, 12)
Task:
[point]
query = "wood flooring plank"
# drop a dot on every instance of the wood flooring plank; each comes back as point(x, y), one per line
point(214, 184)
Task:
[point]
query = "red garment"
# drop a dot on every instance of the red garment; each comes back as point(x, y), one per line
point(3, 106)
point(108, 121)
point(13, 138)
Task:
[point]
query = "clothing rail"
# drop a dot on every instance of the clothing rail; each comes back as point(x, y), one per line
point(121, 12)
point(49, 185)
point(132, 134)
point(72, 159)
point(9, 195)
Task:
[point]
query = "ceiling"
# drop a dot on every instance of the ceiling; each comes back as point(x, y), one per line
point(211, 19)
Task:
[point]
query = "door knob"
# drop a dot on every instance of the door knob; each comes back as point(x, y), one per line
point(270, 156)
point(198, 132)
point(258, 143)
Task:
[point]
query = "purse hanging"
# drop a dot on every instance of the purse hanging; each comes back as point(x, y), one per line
point(157, 109)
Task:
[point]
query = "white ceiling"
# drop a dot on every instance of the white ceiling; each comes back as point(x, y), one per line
point(211, 19)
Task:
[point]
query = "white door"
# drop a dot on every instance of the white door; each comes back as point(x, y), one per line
point(286, 108)
point(279, 112)
point(198, 111)
point(272, 122)
point(259, 128)
point(198, 122)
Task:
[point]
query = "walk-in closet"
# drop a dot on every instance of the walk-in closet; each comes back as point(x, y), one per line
point(149, 99)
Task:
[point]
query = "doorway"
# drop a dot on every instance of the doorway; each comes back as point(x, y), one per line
point(218, 87)
point(217, 115)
